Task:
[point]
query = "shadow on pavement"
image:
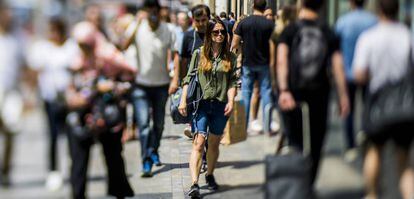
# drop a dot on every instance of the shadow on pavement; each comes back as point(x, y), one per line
point(239, 164)
point(230, 191)
point(166, 167)
point(154, 195)
point(342, 194)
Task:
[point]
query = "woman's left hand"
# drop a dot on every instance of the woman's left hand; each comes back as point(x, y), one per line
point(229, 108)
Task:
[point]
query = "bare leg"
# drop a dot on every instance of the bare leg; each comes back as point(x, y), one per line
point(195, 157)
point(371, 170)
point(213, 152)
point(406, 174)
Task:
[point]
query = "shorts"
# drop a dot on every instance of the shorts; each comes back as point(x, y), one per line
point(402, 137)
point(209, 118)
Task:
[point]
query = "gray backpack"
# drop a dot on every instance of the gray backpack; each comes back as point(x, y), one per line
point(309, 50)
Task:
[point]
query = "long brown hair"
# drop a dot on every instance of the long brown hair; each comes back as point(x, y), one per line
point(207, 52)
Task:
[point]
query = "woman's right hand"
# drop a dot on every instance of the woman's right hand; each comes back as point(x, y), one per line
point(183, 108)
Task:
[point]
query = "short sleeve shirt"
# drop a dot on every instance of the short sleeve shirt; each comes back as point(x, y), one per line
point(382, 54)
point(153, 47)
point(349, 27)
point(255, 32)
point(192, 40)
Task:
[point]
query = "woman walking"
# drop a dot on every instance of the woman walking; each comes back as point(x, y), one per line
point(216, 71)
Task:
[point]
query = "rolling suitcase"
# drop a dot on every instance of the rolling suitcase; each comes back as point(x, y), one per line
point(288, 175)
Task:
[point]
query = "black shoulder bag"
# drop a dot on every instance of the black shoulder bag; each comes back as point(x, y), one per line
point(392, 107)
point(194, 94)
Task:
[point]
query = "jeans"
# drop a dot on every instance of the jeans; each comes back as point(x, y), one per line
point(146, 99)
point(262, 75)
point(349, 122)
point(349, 127)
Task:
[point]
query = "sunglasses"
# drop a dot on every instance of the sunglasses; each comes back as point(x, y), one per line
point(217, 32)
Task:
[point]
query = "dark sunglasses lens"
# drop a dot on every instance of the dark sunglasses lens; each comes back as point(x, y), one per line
point(217, 32)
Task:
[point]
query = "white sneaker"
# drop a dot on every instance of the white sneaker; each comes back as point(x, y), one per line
point(274, 126)
point(351, 155)
point(255, 127)
point(54, 181)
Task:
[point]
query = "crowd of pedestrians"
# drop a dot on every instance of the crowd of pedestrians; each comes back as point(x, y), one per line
point(111, 84)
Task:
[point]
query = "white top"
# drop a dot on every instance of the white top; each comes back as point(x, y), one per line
point(11, 61)
point(383, 50)
point(152, 54)
point(52, 62)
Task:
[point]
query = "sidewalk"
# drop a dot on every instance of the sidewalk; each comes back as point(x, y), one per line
point(240, 170)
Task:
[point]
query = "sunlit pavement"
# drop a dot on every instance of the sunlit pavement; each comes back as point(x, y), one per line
point(240, 170)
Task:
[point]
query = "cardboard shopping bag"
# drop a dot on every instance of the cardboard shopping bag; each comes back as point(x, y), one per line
point(235, 130)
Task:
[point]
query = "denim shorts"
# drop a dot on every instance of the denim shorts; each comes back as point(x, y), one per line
point(210, 118)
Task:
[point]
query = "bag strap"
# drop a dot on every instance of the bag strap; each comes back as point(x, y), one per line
point(196, 62)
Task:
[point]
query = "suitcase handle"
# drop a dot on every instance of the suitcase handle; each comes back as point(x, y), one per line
point(305, 132)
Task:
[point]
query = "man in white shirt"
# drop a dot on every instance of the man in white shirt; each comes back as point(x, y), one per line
point(154, 40)
point(11, 62)
point(382, 56)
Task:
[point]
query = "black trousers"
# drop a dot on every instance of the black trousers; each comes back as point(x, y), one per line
point(117, 181)
point(318, 111)
point(56, 119)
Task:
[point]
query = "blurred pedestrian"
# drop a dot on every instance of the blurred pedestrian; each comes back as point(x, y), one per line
point(348, 28)
point(255, 127)
point(255, 31)
point(165, 16)
point(95, 109)
point(154, 40)
point(93, 14)
point(268, 13)
point(12, 61)
point(225, 19)
point(232, 18)
point(52, 58)
point(216, 70)
point(183, 22)
point(303, 78)
point(383, 55)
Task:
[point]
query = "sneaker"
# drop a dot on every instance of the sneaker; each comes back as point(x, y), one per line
point(194, 191)
point(156, 159)
point(211, 182)
point(146, 169)
point(54, 181)
point(274, 126)
point(351, 155)
point(255, 128)
point(187, 132)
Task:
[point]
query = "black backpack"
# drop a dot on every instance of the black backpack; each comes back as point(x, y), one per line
point(307, 69)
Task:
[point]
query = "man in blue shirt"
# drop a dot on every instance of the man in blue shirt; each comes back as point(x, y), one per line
point(348, 28)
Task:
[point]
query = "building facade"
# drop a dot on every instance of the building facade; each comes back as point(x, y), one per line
point(332, 9)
